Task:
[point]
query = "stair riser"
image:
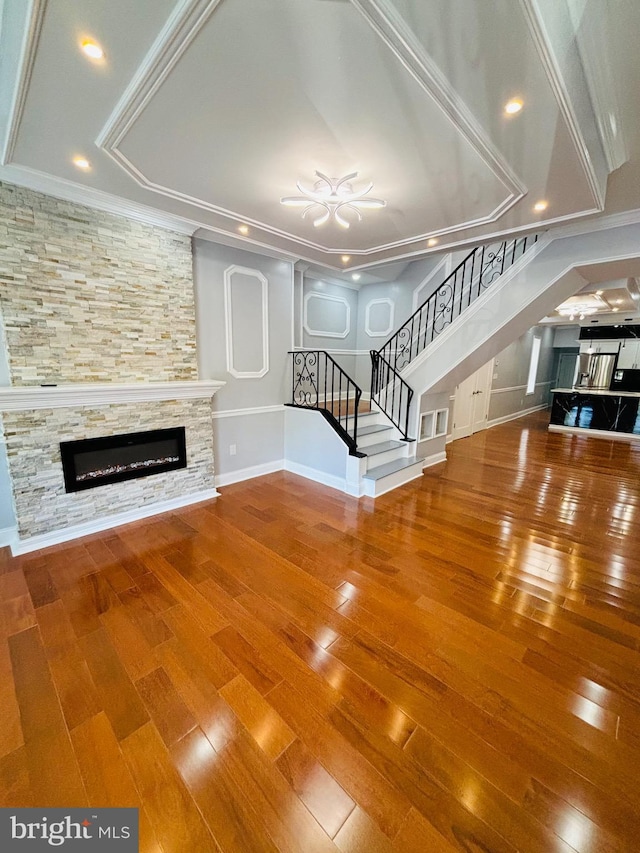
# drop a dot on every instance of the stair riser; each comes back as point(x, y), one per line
point(375, 438)
point(387, 456)
point(375, 488)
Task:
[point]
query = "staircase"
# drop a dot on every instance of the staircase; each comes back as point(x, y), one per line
point(376, 453)
point(388, 461)
point(372, 456)
point(489, 300)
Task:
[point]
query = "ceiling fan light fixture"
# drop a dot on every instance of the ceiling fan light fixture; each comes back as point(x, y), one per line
point(332, 199)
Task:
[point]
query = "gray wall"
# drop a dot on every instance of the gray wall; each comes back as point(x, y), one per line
point(566, 336)
point(352, 351)
point(258, 436)
point(511, 370)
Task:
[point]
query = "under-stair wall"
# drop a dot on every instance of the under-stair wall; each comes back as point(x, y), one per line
point(549, 273)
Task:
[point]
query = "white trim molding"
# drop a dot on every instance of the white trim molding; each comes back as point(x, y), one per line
point(20, 398)
point(444, 266)
point(8, 535)
point(385, 300)
point(242, 474)
point(183, 26)
point(594, 433)
point(513, 416)
point(518, 387)
point(552, 67)
point(317, 333)
point(65, 534)
point(434, 459)
point(334, 351)
point(256, 410)
point(228, 313)
point(25, 71)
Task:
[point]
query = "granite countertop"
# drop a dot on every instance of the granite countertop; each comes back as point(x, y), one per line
point(592, 392)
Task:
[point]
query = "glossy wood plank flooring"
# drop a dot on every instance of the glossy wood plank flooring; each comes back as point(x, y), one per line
point(454, 666)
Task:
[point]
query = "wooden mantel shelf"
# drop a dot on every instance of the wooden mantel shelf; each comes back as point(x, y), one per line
point(14, 398)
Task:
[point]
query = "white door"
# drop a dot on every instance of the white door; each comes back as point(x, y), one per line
point(471, 404)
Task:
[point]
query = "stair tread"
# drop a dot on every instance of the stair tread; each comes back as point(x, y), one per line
point(369, 430)
point(382, 447)
point(391, 468)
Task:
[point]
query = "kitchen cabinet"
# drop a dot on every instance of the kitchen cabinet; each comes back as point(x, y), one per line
point(629, 358)
point(600, 346)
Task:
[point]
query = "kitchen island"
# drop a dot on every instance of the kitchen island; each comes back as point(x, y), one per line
point(595, 411)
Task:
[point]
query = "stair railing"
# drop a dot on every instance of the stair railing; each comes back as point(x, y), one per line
point(318, 382)
point(473, 275)
point(390, 392)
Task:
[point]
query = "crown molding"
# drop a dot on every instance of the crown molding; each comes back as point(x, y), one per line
point(34, 21)
point(179, 32)
point(61, 188)
point(391, 27)
point(551, 66)
point(28, 397)
point(601, 223)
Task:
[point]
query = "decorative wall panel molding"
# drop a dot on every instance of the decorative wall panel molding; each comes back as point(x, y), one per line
point(327, 333)
point(380, 330)
point(246, 334)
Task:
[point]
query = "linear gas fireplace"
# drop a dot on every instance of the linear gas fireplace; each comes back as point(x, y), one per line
point(114, 458)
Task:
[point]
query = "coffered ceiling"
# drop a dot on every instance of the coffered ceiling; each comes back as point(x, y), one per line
point(211, 111)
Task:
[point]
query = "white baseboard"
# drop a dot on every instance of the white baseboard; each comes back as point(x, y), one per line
point(325, 479)
point(45, 540)
point(434, 459)
point(594, 433)
point(7, 536)
point(248, 473)
point(515, 415)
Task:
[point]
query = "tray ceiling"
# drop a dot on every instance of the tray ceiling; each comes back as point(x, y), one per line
point(212, 110)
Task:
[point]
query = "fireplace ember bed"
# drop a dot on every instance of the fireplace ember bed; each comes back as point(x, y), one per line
point(95, 462)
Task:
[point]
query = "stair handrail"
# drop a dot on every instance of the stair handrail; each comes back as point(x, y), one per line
point(318, 382)
point(385, 381)
point(460, 289)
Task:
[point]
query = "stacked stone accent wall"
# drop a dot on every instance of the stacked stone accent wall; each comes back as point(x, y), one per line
point(33, 445)
point(88, 296)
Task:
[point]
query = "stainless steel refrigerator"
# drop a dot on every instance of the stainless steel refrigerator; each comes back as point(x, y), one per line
point(596, 370)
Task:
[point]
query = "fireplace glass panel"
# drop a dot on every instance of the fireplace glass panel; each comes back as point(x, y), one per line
point(111, 459)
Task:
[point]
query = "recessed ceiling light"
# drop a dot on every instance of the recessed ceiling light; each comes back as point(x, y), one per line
point(356, 276)
point(539, 206)
point(513, 106)
point(243, 229)
point(433, 241)
point(345, 259)
point(82, 163)
point(92, 49)
point(599, 292)
point(615, 309)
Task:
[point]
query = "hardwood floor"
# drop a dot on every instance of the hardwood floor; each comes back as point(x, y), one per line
point(454, 666)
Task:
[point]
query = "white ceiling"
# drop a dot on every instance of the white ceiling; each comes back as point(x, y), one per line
point(210, 111)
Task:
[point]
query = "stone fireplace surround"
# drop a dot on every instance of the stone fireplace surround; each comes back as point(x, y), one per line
point(36, 419)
